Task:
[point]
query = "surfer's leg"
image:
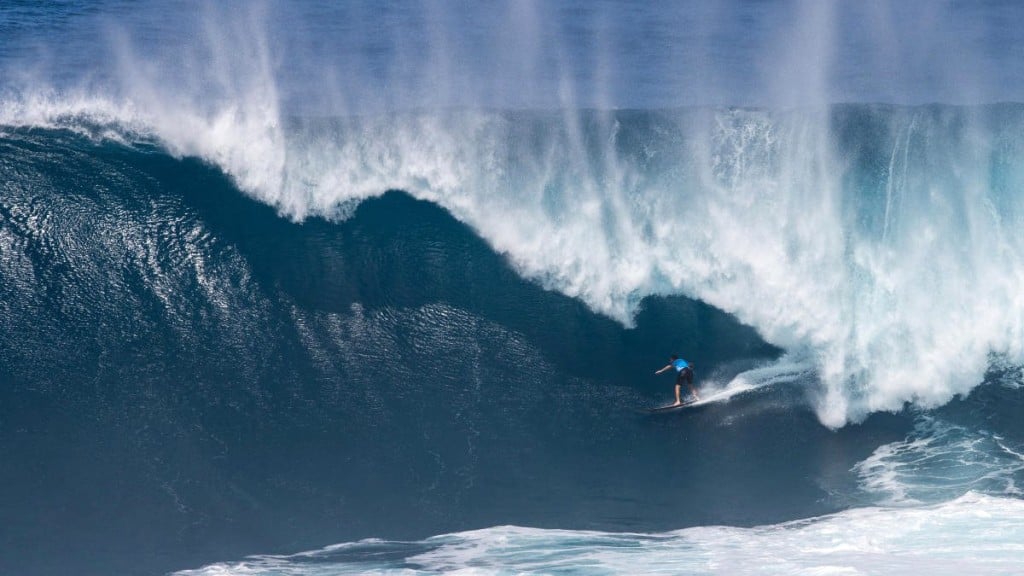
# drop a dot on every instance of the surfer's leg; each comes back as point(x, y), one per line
point(678, 401)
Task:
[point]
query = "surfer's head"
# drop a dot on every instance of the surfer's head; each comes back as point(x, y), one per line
point(673, 357)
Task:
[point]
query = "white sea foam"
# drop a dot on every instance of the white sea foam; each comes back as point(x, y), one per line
point(974, 534)
point(940, 461)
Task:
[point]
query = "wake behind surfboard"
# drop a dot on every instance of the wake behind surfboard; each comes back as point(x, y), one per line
point(737, 386)
point(749, 381)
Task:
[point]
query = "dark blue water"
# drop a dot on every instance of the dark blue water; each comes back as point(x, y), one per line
point(176, 351)
point(275, 278)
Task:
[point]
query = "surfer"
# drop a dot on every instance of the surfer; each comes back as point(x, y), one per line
point(684, 375)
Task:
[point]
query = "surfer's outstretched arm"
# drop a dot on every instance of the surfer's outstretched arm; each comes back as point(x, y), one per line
point(663, 369)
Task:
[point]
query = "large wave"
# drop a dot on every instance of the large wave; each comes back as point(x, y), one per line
point(880, 242)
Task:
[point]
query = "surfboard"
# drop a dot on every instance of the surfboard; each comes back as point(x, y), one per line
point(671, 407)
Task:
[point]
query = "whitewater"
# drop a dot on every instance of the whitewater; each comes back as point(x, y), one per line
point(233, 238)
point(955, 538)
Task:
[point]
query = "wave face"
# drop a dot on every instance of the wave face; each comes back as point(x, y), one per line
point(283, 275)
point(188, 375)
point(172, 349)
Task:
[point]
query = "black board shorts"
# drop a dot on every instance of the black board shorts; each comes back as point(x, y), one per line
point(685, 377)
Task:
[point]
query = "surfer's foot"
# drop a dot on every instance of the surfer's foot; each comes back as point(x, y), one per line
point(678, 403)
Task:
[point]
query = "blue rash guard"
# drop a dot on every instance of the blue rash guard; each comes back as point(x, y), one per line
point(684, 372)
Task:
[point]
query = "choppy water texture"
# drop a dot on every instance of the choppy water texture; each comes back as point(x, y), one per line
point(300, 289)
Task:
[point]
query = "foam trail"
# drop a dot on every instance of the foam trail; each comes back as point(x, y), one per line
point(788, 370)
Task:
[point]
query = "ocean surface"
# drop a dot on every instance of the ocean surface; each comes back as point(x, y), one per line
point(316, 289)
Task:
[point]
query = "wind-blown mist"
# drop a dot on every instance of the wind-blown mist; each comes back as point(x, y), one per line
point(881, 243)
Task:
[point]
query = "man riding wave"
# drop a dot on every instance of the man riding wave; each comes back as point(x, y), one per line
point(684, 375)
